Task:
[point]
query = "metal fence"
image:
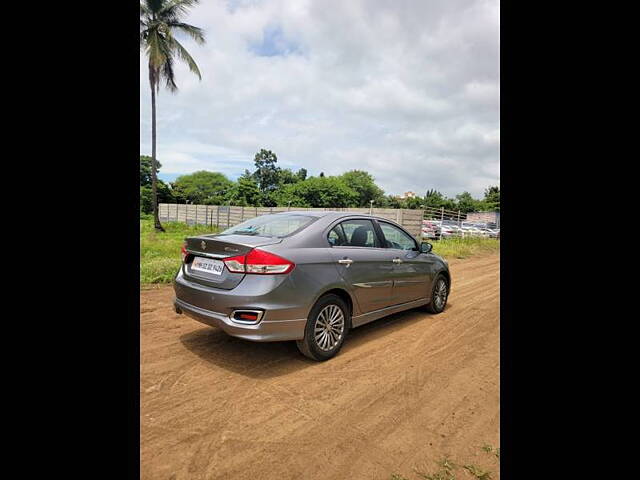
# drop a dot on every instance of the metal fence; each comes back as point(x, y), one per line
point(441, 223)
point(226, 216)
point(432, 223)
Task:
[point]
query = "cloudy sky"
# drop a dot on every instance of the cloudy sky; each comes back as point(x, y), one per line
point(407, 90)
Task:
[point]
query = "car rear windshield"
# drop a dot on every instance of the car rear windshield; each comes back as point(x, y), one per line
point(270, 225)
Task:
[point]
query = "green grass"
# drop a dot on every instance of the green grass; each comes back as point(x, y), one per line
point(160, 252)
point(465, 247)
point(447, 469)
point(478, 472)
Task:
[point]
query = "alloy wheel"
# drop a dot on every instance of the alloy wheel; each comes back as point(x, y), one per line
point(440, 294)
point(329, 327)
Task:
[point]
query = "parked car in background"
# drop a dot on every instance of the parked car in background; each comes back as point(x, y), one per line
point(451, 228)
point(489, 233)
point(307, 276)
point(430, 230)
point(473, 231)
point(449, 231)
point(430, 234)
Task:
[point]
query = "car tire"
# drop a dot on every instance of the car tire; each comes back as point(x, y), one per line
point(438, 303)
point(327, 326)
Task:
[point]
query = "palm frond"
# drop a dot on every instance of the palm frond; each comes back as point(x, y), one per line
point(156, 49)
point(154, 6)
point(185, 56)
point(168, 75)
point(175, 9)
point(194, 32)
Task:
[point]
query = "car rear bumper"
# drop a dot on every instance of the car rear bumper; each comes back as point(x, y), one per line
point(263, 331)
point(285, 307)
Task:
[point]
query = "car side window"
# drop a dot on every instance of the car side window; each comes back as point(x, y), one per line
point(397, 238)
point(354, 233)
point(336, 236)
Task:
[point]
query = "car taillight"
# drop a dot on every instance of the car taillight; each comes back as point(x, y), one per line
point(259, 262)
point(183, 251)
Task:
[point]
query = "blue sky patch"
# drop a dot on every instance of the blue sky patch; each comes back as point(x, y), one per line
point(274, 43)
point(168, 177)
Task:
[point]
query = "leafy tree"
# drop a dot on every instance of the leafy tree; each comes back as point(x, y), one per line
point(302, 174)
point(145, 169)
point(435, 199)
point(317, 192)
point(286, 176)
point(466, 203)
point(208, 188)
point(492, 198)
point(159, 19)
point(431, 193)
point(267, 173)
point(390, 201)
point(245, 192)
point(165, 195)
point(363, 184)
point(413, 203)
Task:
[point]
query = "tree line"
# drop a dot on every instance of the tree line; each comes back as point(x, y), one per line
point(270, 186)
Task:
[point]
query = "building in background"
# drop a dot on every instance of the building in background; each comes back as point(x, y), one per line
point(408, 194)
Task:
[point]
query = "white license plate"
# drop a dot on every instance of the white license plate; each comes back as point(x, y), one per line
point(207, 265)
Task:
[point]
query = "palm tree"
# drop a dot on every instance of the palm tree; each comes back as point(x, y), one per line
point(159, 19)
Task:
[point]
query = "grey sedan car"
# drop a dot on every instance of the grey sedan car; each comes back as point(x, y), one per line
point(307, 276)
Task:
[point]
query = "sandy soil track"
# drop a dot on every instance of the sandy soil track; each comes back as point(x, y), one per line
point(404, 392)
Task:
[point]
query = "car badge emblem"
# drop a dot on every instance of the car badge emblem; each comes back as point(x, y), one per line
point(203, 245)
point(229, 249)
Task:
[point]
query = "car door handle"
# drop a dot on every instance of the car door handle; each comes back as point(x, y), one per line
point(345, 261)
point(397, 260)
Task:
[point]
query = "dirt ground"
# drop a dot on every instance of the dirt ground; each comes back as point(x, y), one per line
point(403, 393)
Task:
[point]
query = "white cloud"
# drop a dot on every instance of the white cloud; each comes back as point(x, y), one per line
point(409, 91)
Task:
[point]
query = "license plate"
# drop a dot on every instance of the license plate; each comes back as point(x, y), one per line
point(207, 265)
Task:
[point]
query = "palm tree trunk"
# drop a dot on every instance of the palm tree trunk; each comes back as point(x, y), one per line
point(154, 176)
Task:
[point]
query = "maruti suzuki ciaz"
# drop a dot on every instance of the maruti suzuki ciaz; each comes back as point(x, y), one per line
point(308, 276)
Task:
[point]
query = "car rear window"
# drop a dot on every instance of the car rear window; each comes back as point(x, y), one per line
point(270, 225)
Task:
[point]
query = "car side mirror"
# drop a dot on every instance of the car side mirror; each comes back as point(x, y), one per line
point(425, 247)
